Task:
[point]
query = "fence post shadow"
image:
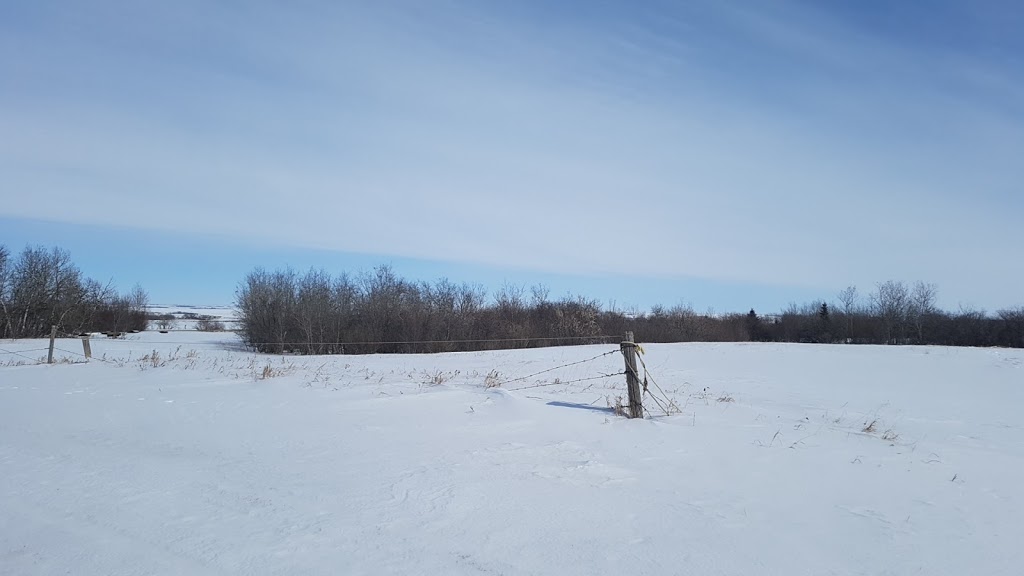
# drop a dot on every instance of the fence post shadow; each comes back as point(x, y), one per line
point(590, 407)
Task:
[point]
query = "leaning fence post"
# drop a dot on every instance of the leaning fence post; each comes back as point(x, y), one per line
point(628, 347)
point(53, 336)
point(86, 347)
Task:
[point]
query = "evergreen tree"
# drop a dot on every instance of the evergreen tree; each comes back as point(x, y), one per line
point(754, 327)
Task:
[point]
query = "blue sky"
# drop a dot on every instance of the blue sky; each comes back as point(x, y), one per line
point(726, 154)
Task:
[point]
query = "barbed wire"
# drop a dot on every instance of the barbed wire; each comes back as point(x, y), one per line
point(36, 360)
point(558, 382)
point(373, 343)
point(560, 367)
point(460, 341)
point(647, 374)
point(648, 377)
point(73, 354)
point(526, 340)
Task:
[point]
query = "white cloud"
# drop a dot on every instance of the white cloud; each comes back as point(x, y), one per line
point(550, 146)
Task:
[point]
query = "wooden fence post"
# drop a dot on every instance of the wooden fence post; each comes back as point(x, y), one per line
point(86, 347)
point(53, 336)
point(628, 347)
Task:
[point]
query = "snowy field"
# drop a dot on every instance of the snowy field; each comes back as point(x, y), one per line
point(183, 315)
point(786, 459)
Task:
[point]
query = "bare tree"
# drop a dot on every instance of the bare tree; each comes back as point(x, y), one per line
point(890, 301)
point(539, 294)
point(381, 312)
point(1013, 326)
point(510, 306)
point(44, 288)
point(848, 297)
point(922, 306)
point(313, 309)
point(5, 321)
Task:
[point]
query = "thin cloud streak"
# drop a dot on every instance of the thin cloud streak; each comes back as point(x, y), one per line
point(768, 145)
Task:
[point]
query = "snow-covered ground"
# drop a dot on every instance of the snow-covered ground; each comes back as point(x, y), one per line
point(184, 316)
point(213, 460)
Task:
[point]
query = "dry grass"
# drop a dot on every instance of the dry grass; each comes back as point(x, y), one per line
point(617, 406)
point(492, 380)
point(320, 377)
point(152, 360)
point(269, 369)
point(872, 428)
point(438, 377)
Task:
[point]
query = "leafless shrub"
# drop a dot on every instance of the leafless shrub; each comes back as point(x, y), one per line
point(210, 325)
point(725, 398)
point(870, 428)
point(890, 435)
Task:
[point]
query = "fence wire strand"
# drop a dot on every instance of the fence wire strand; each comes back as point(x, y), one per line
point(36, 360)
point(566, 382)
point(647, 374)
point(560, 367)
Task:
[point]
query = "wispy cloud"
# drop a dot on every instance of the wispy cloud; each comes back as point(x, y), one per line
point(774, 144)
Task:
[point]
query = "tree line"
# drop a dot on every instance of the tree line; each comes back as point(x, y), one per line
point(380, 312)
point(893, 313)
point(41, 288)
point(316, 313)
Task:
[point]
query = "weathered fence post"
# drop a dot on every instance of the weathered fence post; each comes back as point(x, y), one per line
point(53, 336)
point(628, 347)
point(86, 347)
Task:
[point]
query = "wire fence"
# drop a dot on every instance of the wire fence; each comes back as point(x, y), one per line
point(667, 405)
point(355, 342)
point(558, 382)
point(22, 353)
point(658, 396)
point(372, 346)
point(454, 341)
point(577, 363)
